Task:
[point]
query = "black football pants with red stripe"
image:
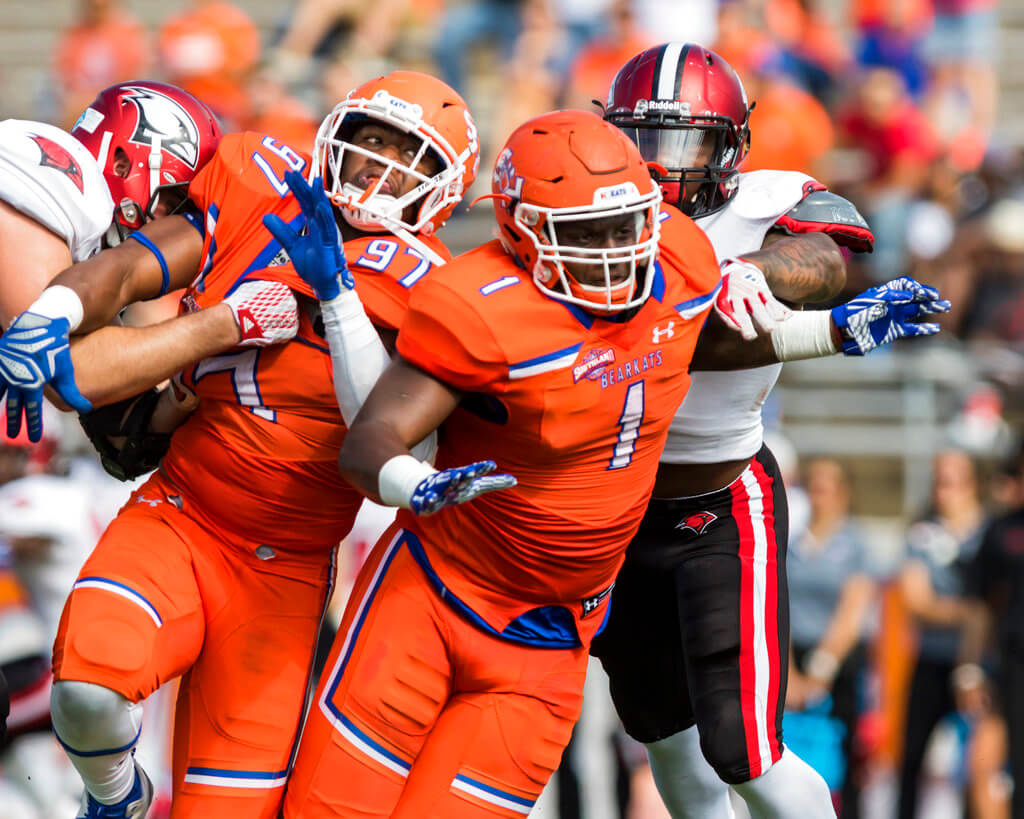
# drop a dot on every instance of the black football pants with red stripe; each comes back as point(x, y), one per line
point(699, 626)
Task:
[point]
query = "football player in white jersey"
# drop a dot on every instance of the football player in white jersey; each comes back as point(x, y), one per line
point(697, 643)
point(63, 197)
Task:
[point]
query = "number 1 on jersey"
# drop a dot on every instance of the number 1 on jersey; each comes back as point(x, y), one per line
point(629, 426)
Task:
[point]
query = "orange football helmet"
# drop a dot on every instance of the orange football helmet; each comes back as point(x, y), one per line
point(417, 104)
point(569, 167)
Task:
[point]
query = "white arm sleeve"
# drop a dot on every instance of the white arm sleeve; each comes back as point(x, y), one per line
point(358, 358)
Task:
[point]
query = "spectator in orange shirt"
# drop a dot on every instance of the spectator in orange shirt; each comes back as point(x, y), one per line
point(598, 62)
point(209, 50)
point(800, 130)
point(104, 46)
point(273, 111)
point(742, 41)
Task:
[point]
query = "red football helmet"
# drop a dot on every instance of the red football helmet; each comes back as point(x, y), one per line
point(150, 139)
point(686, 110)
point(563, 169)
point(416, 104)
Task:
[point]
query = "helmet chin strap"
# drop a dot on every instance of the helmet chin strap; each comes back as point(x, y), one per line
point(155, 161)
point(362, 218)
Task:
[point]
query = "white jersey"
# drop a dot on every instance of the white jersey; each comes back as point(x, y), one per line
point(49, 175)
point(720, 418)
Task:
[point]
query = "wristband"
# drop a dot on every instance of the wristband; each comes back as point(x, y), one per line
point(804, 334)
point(398, 479)
point(59, 301)
point(822, 666)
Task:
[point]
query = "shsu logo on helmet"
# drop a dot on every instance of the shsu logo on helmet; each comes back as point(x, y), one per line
point(505, 176)
point(160, 116)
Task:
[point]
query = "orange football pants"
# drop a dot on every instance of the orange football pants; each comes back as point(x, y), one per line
point(164, 595)
point(420, 714)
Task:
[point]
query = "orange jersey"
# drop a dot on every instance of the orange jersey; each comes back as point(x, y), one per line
point(259, 455)
point(577, 408)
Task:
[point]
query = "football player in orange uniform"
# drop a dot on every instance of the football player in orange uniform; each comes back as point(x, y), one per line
point(221, 565)
point(458, 670)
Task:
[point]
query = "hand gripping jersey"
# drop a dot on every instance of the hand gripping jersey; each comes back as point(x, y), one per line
point(720, 419)
point(576, 407)
point(49, 175)
point(259, 455)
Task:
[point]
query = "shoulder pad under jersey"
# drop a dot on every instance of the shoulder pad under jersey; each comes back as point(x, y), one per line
point(825, 212)
point(767, 195)
point(50, 176)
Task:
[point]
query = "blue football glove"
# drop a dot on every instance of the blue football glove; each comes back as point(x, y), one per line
point(457, 485)
point(34, 352)
point(316, 254)
point(882, 314)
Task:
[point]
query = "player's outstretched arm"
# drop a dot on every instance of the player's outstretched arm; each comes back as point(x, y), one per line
point(358, 357)
point(877, 316)
point(35, 349)
point(114, 363)
point(802, 269)
point(404, 407)
point(162, 256)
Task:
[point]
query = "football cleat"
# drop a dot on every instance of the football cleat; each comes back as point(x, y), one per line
point(134, 806)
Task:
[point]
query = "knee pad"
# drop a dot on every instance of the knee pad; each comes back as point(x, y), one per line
point(689, 786)
point(723, 740)
point(789, 789)
point(90, 718)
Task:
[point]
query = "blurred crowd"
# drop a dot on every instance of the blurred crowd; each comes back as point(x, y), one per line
point(892, 104)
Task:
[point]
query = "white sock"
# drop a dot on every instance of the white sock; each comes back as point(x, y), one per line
point(688, 784)
point(88, 718)
point(789, 789)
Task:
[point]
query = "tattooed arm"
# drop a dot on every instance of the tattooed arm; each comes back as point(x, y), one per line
point(800, 269)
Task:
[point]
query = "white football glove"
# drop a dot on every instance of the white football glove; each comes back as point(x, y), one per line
point(266, 313)
point(744, 300)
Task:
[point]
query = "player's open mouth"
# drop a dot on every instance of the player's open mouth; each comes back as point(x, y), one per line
point(368, 181)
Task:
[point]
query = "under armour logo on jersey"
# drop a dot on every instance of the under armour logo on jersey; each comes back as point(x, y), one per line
point(658, 333)
point(54, 156)
point(697, 522)
point(150, 501)
point(160, 116)
point(590, 604)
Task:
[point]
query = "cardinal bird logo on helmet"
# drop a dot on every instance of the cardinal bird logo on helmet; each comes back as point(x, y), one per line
point(697, 522)
point(160, 116)
point(54, 156)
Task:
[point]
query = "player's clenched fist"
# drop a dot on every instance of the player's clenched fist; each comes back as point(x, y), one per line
point(265, 312)
point(744, 300)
